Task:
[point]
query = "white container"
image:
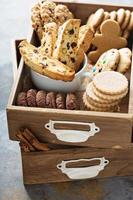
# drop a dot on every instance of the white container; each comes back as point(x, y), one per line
point(45, 83)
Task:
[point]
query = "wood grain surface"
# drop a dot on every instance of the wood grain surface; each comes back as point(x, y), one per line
point(41, 167)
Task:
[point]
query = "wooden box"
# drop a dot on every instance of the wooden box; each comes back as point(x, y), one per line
point(77, 163)
point(97, 129)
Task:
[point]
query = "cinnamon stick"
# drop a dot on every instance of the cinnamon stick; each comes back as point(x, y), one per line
point(34, 142)
point(23, 140)
point(24, 147)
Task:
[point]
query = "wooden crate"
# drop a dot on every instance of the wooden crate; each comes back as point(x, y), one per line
point(66, 165)
point(113, 128)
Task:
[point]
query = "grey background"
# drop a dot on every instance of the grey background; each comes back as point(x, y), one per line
point(15, 23)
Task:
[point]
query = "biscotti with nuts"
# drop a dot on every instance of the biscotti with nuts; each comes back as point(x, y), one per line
point(66, 44)
point(49, 39)
point(43, 64)
point(86, 35)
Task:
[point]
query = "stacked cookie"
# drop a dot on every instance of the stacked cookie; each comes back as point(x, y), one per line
point(122, 16)
point(106, 91)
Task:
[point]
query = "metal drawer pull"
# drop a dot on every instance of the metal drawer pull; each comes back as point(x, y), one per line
point(83, 172)
point(72, 135)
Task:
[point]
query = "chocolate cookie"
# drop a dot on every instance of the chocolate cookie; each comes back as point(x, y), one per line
point(71, 102)
point(31, 97)
point(50, 100)
point(41, 99)
point(21, 99)
point(60, 101)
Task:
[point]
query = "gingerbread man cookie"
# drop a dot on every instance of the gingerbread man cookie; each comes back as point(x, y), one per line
point(108, 39)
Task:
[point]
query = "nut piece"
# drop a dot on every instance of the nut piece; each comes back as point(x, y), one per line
point(60, 101)
point(41, 99)
point(31, 97)
point(21, 99)
point(50, 100)
point(71, 102)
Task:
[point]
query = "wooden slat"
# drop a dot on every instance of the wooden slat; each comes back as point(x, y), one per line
point(114, 129)
point(130, 109)
point(15, 56)
point(40, 167)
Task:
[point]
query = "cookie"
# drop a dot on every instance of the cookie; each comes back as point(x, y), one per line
point(35, 16)
point(97, 18)
point(85, 37)
point(108, 97)
point(66, 45)
point(92, 96)
point(79, 59)
point(21, 99)
point(130, 25)
point(84, 42)
point(108, 61)
point(106, 16)
point(47, 11)
point(120, 15)
point(126, 34)
point(31, 97)
point(110, 37)
point(94, 108)
point(62, 14)
point(51, 100)
point(49, 38)
point(89, 21)
point(126, 19)
point(102, 105)
point(113, 15)
point(41, 99)
point(60, 101)
point(110, 82)
point(71, 102)
point(44, 65)
point(125, 60)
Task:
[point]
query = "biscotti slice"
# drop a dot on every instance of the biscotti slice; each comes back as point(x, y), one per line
point(80, 56)
point(66, 44)
point(49, 39)
point(86, 35)
point(43, 64)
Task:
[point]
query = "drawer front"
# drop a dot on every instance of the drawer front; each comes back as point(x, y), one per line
point(73, 127)
point(76, 164)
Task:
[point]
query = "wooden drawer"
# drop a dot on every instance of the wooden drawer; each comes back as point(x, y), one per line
point(97, 129)
point(76, 164)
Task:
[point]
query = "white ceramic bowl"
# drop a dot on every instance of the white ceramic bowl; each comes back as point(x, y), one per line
point(45, 83)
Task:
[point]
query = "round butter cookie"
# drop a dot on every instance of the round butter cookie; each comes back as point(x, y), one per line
point(97, 18)
point(94, 108)
point(109, 97)
point(125, 60)
point(113, 15)
point(110, 82)
point(126, 20)
point(102, 105)
point(120, 16)
point(130, 25)
point(92, 96)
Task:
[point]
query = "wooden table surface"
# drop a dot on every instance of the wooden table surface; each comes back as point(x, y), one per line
point(15, 20)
